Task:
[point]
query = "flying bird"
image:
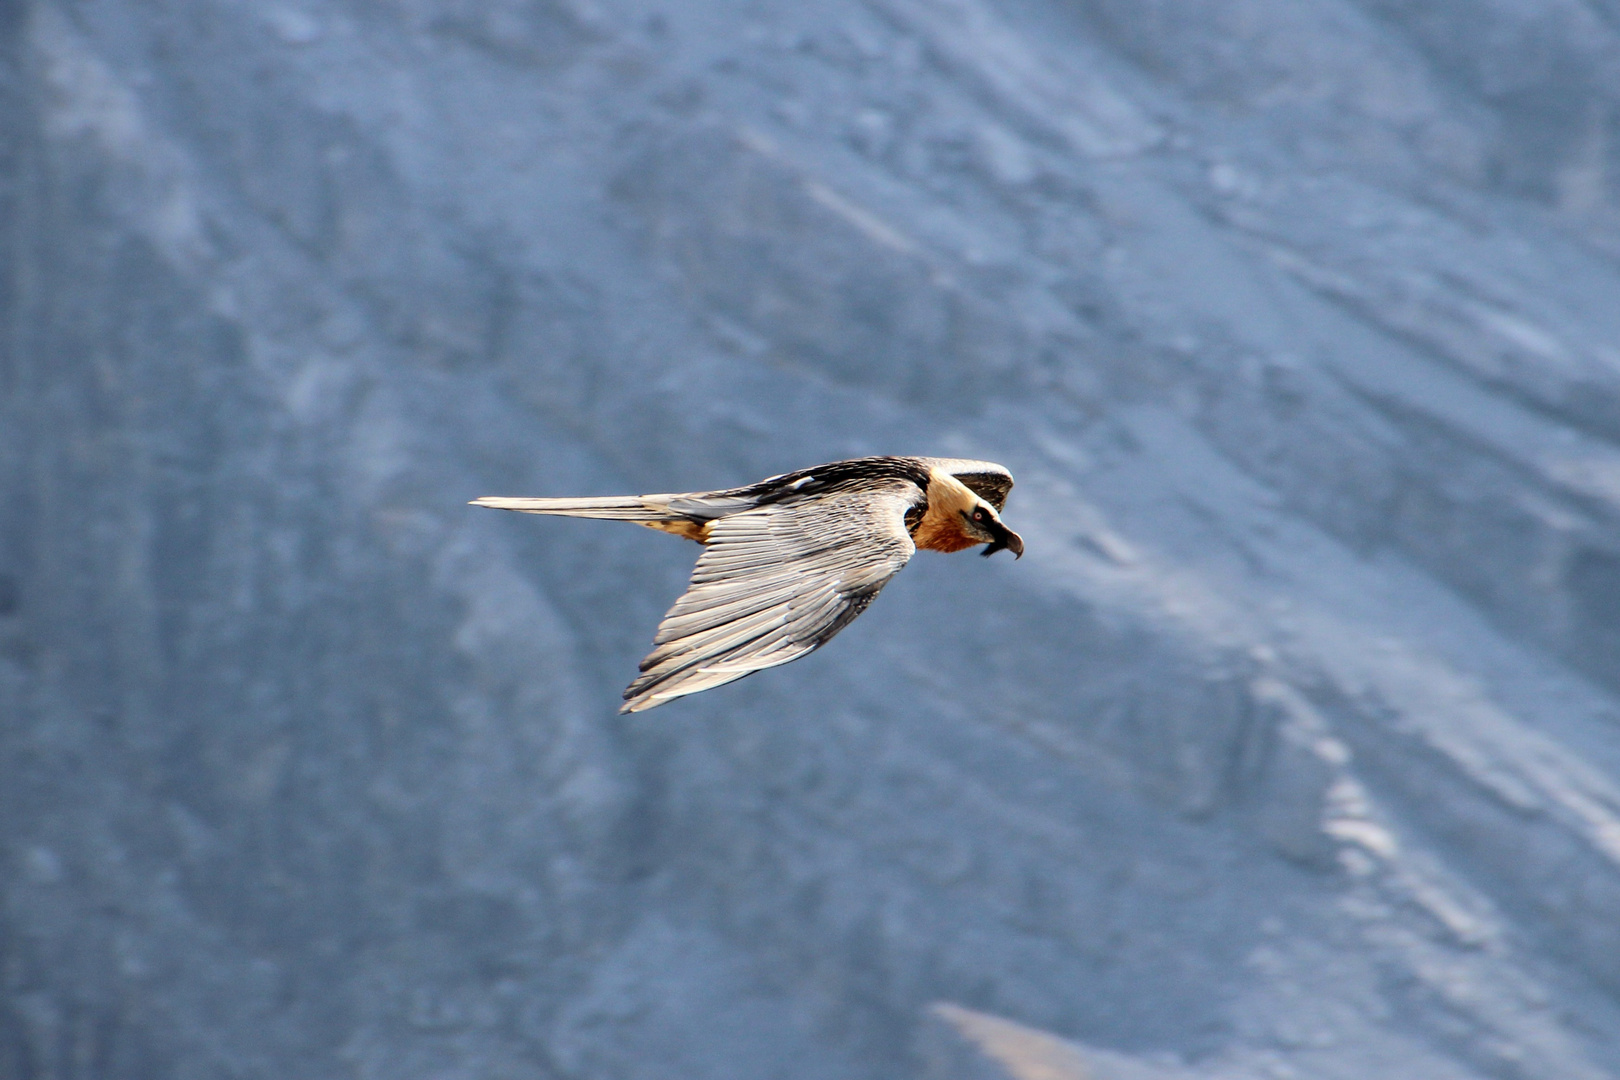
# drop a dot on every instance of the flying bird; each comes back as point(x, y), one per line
point(793, 559)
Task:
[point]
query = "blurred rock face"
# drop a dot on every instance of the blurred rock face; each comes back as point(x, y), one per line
point(1293, 749)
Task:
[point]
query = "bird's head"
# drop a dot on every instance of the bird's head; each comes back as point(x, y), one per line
point(983, 524)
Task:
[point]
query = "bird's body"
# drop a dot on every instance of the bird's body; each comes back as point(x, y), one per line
point(793, 559)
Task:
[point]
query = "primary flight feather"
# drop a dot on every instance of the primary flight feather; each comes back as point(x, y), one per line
point(793, 559)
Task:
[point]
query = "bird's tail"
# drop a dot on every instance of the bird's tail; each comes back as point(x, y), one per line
point(614, 507)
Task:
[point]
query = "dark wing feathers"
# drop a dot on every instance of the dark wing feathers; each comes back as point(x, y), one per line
point(986, 479)
point(777, 582)
point(993, 488)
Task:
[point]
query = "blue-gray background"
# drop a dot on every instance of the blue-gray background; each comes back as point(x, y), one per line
point(1291, 749)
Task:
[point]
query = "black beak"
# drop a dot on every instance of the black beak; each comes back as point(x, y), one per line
point(1006, 539)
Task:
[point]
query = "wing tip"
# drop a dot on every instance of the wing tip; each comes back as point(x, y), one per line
point(643, 702)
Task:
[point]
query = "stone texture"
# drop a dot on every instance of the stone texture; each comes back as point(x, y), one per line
point(1291, 749)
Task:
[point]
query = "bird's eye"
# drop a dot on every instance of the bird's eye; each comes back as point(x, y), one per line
point(978, 515)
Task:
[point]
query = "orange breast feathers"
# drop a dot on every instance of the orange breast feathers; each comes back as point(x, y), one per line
point(941, 526)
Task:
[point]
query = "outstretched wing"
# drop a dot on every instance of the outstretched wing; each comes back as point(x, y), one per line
point(775, 583)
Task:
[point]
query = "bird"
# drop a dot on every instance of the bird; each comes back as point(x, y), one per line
point(792, 560)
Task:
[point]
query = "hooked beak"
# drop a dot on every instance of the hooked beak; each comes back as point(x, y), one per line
point(1005, 539)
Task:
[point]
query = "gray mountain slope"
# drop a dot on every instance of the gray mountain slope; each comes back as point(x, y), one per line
point(1292, 749)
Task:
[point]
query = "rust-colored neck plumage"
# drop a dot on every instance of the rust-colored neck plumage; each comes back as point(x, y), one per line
point(941, 527)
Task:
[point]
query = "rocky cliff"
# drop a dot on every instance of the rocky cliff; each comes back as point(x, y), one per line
point(1291, 749)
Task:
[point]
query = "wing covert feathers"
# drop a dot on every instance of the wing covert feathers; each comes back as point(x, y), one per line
point(775, 583)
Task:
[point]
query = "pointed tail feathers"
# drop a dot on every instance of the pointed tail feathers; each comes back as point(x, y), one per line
point(615, 508)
